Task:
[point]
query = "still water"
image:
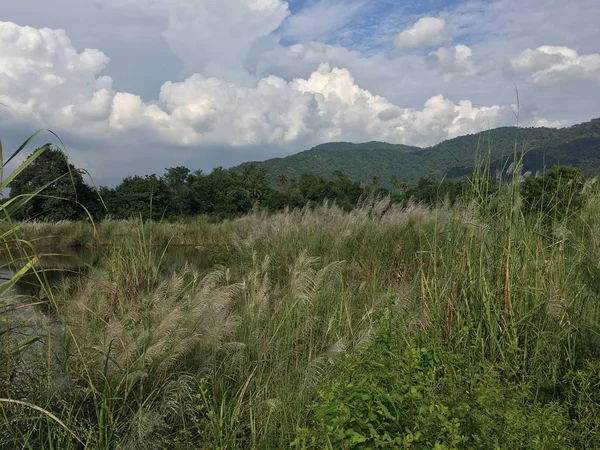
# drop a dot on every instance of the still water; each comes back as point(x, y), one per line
point(23, 309)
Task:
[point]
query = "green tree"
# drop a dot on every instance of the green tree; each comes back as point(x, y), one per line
point(286, 195)
point(436, 192)
point(146, 196)
point(343, 190)
point(312, 187)
point(221, 192)
point(65, 194)
point(177, 181)
point(256, 182)
point(282, 178)
point(395, 183)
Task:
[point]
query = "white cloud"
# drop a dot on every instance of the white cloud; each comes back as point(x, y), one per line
point(552, 123)
point(326, 106)
point(41, 72)
point(548, 65)
point(212, 37)
point(453, 61)
point(426, 32)
point(45, 78)
point(246, 94)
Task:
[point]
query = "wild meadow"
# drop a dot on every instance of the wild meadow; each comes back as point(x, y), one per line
point(388, 325)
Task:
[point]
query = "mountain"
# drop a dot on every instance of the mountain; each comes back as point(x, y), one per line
point(577, 146)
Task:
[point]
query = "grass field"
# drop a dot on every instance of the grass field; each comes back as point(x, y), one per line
point(385, 327)
point(451, 327)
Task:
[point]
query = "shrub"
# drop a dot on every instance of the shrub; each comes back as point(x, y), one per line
point(404, 395)
point(556, 193)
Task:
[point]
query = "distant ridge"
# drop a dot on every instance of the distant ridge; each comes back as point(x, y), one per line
point(578, 146)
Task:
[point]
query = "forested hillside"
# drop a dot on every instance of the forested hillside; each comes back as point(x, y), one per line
point(577, 146)
point(340, 172)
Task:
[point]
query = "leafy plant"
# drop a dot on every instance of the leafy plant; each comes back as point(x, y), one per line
point(556, 193)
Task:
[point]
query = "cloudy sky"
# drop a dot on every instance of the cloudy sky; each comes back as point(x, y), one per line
point(134, 86)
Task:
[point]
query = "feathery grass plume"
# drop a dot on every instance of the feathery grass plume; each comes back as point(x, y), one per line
point(143, 349)
point(235, 357)
point(183, 317)
point(257, 286)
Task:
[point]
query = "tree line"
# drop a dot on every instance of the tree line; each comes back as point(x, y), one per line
point(58, 191)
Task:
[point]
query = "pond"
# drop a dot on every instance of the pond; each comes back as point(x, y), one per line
point(25, 315)
point(54, 266)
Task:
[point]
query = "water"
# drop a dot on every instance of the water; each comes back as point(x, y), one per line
point(23, 309)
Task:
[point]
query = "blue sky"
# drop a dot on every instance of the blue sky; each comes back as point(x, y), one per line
point(134, 86)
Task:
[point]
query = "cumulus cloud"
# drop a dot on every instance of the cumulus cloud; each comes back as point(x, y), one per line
point(326, 106)
point(453, 61)
point(425, 32)
point(45, 80)
point(551, 123)
point(41, 72)
point(45, 77)
point(548, 65)
point(213, 36)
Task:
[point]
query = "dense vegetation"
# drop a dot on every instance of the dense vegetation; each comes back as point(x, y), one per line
point(577, 146)
point(469, 320)
point(337, 172)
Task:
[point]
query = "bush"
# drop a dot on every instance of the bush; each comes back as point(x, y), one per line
point(397, 395)
point(556, 193)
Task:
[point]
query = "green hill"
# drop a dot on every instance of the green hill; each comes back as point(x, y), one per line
point(577, 146)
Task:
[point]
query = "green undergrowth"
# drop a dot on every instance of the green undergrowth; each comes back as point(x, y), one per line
point(404, 391)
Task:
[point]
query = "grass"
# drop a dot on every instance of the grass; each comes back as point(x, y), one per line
point(474, 326)
point(66, 234)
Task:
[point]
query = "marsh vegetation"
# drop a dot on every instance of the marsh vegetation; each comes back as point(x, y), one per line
point(471, 324)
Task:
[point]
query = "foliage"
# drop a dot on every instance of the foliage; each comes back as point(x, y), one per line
point(19, 262)
point(339, 172)
point(397, 394)
point(391, 324)
point(556, 193)
point(454, 158)
point(582, 396)
point(64, 192)
point(177, 181)
point(434, 192)
point(137, 196)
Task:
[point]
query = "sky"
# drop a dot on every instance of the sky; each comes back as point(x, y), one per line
point(135, 86)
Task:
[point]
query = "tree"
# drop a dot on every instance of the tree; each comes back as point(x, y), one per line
point(395, 182)
point(221, 192)
point(146, 196)
point(282, 178)
point(65, 194)
point(435, 192)
point(312, 187)
point(177, 181)
point(343, 190)
point(256, 182)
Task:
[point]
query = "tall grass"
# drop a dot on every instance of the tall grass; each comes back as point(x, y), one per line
point(64, 235)
point(20, 259)
point(236, 356)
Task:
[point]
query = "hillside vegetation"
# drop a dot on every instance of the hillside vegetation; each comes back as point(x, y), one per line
point(577, 146)
point(338, 172)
